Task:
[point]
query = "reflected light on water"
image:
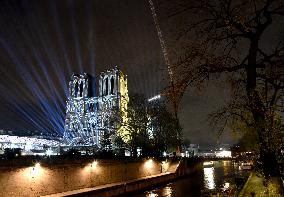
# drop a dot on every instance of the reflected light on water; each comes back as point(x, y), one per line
point(151, 194)
point(167, 191)
point(226, 186)
point(226, 167)
point(209, 178)
point(208, 182)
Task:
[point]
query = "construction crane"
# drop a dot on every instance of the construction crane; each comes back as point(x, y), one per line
point(174, 92)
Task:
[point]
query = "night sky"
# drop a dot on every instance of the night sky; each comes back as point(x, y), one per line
point(43, 42)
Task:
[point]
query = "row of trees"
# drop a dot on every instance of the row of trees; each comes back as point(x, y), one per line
point(241, 41)
point(150, 127)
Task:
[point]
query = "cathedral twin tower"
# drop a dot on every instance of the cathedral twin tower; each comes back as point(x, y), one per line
point(88, 116)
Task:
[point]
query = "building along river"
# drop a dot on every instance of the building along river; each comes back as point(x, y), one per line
point(220, 176)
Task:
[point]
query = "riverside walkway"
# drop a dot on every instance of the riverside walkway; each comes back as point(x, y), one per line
point(255, 187)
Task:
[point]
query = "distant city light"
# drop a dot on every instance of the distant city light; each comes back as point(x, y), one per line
point(224, 153)
point(49, 152)
point(26, 143)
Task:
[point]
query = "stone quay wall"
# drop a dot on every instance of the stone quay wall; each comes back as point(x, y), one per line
point(28, 177)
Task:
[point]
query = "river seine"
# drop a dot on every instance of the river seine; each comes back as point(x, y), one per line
point(221, 176)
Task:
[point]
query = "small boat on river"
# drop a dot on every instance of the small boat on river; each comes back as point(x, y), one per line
point(246, 165)
point(208, 164)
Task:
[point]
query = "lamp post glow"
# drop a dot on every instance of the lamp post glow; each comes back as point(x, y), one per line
point(94, 164)
point(149, 164)
point(37, 165)
point(35, 171)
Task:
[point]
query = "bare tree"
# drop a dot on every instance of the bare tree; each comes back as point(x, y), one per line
point(232, 38)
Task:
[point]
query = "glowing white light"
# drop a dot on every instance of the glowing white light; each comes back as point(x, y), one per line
point(208, 163)
point(154, 98)
point(167, 191)
point(49, 152)
point(139, 151)
point(150, 129)
point(149, 163)
point(35, 170)
point(209, 178)
point(26, 143)
point(226, 186)
point(37, 165)
point(127, 153)
point(13, 145)
point(224, 153)
point(151, 194)
point(94, 164)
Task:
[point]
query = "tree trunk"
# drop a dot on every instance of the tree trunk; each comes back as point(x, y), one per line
point(267, 156)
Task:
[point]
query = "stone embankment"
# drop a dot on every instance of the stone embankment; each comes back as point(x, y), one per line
point(86, 177)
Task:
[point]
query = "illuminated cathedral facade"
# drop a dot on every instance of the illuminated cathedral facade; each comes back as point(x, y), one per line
point(87, 115)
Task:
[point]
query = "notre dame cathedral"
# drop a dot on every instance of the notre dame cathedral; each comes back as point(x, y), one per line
point(87, 115)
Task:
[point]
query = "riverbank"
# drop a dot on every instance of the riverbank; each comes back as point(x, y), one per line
point(115, 189)
point(43, 176)
point(176, 170)
point(224, 177)
point(46, 176)
point(255, 186)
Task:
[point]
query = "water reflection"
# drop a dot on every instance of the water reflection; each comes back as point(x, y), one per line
point(226, 167)
point(165, 191)
point(218, 175)
point(209, 178)
point(226, 186)
point(151, 194)
point(168, 191)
